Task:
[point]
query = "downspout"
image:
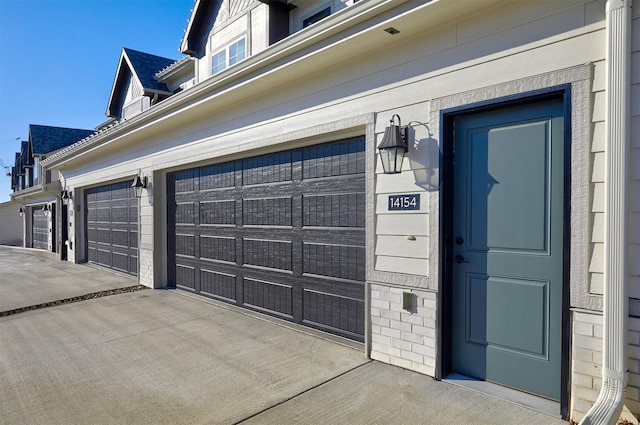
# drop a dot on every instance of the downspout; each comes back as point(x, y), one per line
point(606, 410)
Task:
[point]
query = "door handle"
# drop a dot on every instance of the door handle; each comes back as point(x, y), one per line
point(460, 259)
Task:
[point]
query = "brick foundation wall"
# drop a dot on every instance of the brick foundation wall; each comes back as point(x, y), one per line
point(632, 401)
point(146, 267)
point(586, 365)
point(400, 337)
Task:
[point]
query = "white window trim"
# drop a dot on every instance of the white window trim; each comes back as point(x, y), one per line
point(226, 50)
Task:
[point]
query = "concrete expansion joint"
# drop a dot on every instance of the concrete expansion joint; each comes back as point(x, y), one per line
point(90, 296)
point(293, 397)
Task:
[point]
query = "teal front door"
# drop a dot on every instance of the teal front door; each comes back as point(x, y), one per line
point(508, 229)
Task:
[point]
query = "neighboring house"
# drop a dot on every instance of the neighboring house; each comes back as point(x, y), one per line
point(487, 256)
point(38, 191)
point(20, 169)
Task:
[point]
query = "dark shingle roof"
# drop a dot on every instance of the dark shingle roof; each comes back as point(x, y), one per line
point(18, 164)
point(45, 139)
point(14, 178)
point(24, 153)
point(145, 66)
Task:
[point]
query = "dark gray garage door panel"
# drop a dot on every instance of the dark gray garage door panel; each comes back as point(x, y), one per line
point(112, 227)
point(40, 229)
point(280, 233)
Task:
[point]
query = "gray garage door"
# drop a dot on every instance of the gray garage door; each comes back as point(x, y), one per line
point(281, 233)
point(39, 229)
point(112, 226)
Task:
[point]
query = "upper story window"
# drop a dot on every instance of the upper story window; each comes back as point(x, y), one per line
point(237, 51)
point(316, 17)
point(219, 61)
point(231, 54)
point(36, 171)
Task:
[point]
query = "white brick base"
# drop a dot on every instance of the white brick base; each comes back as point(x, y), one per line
point(399, 337)
point(146, 267)
point(586, 365)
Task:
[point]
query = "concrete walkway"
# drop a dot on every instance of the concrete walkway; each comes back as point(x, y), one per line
point(163, 357)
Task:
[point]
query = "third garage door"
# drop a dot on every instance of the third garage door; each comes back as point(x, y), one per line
point(112, 226)
point(39, 228)
point(282, 233)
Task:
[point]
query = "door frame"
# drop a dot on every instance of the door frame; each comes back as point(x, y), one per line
point(64, 231)
point(447, 117)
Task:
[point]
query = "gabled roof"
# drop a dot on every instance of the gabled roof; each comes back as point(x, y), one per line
point(18, 164)
point(143, 68)
point(205, 13)
point(25, 158)
point(44, 139)
point(14, 178)
point(22, 158)
point(194, 36)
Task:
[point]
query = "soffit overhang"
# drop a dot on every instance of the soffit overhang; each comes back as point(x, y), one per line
point(38, 193)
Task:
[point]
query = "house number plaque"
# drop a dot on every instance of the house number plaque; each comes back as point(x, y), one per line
point(404, 202)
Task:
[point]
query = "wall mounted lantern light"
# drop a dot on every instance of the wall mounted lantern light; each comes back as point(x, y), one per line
point(66, 196)
point(21, 211)
point(394, 146)
point(46, 209)
point(139, 183)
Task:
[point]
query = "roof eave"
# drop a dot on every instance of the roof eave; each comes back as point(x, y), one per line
point(295, 42)
point(185, 47)
point(365, 9)
point(114, 86)
point(36, 192)
point(191, 38)
point(175, 68)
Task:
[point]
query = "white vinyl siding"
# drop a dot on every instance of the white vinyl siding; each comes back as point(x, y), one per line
point(134, 90)
point(484, 55)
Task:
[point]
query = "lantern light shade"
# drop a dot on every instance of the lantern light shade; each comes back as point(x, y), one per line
point(21, 211)
point(138, 184)
point(65, 196)
point(393, 146)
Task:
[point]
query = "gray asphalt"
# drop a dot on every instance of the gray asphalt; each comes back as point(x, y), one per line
point(165, 357)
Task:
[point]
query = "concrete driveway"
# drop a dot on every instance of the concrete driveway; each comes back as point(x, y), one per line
point(30, 277)
point(164, 357)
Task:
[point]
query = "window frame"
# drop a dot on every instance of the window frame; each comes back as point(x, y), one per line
point(226, 50)
point(316, 16)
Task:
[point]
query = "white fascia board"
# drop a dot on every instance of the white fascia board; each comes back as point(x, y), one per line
point(28, 192)
point(132, 70)
point(175, 68)
point(339, 22)
point(115, 82)
point(37, 191)
point(185, 43)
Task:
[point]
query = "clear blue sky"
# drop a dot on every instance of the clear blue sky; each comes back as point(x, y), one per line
point(58, 59)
